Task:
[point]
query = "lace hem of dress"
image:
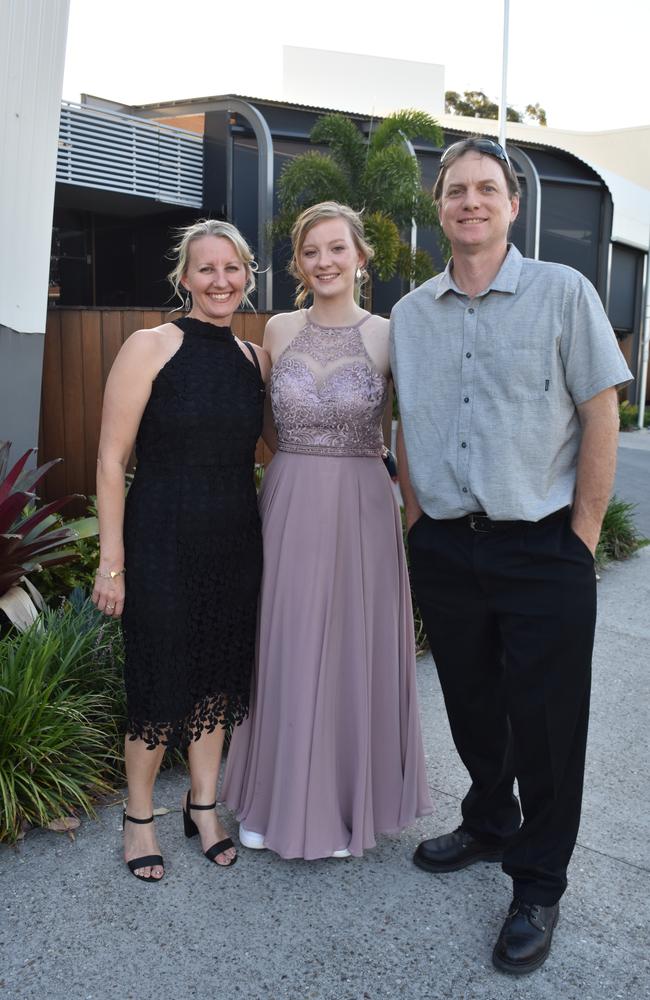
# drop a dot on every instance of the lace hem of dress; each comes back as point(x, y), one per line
point(349, 451)
point(209, 713)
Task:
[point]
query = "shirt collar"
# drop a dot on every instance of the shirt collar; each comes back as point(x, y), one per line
point(506, 279)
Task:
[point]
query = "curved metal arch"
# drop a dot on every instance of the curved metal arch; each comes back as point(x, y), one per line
point(264, 180)
point(414, 226)
point(533, 199)
point(264, 191)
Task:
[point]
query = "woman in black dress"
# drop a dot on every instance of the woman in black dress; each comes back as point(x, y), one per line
point(182, 559)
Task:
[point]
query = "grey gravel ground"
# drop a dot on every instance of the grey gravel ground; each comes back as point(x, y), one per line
point(76, 925)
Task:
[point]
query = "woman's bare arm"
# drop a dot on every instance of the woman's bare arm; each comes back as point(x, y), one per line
point(127, 391)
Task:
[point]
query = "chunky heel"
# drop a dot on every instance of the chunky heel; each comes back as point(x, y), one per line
point(191, 830)
point(189, 826)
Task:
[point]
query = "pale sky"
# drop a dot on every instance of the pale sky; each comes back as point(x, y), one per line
point(584, 62)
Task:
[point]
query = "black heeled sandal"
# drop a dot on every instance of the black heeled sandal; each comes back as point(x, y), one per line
point(149, 860)
point(191, 830)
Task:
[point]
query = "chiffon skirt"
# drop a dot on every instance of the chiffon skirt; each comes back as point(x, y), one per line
point(331, 753)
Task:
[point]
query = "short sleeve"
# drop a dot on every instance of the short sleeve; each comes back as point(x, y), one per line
point(590, 353)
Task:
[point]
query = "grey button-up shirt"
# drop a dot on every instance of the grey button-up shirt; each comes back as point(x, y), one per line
point(488, 387)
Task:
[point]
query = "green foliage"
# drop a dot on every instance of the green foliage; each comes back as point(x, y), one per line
point(619, 538)
point(346, 145)
point(416, 266)
point(383, 235)
point(476, 104)
point(305, 181)
point(31, 538)
point(628, 415)
point(408, 124)
point(391, 182)
point(61, 716)
point(535, 113)
point(377, 176)
point(56, 582)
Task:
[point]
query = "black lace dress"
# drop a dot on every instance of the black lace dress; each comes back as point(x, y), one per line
point(193, 548)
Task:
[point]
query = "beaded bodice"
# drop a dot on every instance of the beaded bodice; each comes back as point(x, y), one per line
point(327, 396)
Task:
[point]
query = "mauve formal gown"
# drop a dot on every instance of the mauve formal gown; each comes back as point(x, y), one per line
point(331, 753)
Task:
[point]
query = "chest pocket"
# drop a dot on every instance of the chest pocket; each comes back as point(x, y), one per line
point(515, 373)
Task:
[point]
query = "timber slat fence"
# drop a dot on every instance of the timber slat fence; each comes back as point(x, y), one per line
point(80, 347)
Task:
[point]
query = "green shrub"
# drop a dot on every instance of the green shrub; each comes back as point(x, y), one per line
point(628, 415)
point(61, 716)
point(619, 538)
point(57, 582)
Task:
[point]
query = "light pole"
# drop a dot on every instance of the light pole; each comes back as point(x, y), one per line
point(503, 104)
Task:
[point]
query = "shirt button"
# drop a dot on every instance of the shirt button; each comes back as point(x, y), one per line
point(464, 444)
point(470, 311)
point(466, 400)
point(469, 354)
point(465, 489)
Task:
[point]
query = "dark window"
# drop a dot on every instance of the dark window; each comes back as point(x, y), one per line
point(571, 226)
point(624, 287)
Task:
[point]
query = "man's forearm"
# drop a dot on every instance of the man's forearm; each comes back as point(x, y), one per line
point(412, 508)
point(596, 465)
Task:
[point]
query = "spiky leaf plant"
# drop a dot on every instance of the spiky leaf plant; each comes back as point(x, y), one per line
point(61, 713)
point(30, 537)
point(376, 175)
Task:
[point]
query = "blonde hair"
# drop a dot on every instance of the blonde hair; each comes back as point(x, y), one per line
point(306, 221)
point(211, 227)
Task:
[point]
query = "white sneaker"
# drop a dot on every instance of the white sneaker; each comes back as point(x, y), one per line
point(339, 854)
point(255, 841)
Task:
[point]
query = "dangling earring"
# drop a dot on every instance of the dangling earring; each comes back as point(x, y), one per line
point(187, 301)
point(359, 274)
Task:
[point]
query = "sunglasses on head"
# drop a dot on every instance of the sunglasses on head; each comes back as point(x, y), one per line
point(489, 146)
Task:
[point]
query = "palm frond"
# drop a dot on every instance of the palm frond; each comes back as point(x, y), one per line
point(392, 183)
point(311, 178)
point(418, 266)
point(383, 236)
point(407, 124)
point(425, 212)
point(346, 143)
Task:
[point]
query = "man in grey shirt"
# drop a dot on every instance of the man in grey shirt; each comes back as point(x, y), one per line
point(506, 372)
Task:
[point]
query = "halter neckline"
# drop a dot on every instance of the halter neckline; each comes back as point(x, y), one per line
point(341, 326)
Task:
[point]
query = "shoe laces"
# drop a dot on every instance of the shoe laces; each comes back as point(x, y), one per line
point(532, 911)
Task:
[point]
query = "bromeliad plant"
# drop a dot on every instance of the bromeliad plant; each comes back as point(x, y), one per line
point(30, 537)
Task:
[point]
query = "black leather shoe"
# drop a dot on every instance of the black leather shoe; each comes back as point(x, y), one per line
point(454, 851)
point(525, 939)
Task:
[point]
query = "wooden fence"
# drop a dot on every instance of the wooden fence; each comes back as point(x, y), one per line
point(80, 347)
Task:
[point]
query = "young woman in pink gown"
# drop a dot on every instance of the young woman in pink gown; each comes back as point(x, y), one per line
point(331, 754)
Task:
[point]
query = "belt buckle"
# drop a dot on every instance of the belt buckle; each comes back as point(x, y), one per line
point(480, 522)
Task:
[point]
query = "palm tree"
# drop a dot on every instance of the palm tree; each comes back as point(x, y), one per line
point(377, 175)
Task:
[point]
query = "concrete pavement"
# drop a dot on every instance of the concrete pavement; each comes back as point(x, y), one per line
point(633, 475)
point(76, 925)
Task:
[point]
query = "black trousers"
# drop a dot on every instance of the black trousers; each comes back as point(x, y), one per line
point(510, 615)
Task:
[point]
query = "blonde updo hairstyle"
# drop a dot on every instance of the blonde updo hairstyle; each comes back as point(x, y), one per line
point(211, 227)
point(306, 221)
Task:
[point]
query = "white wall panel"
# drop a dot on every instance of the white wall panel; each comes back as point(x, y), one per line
point(32, 55)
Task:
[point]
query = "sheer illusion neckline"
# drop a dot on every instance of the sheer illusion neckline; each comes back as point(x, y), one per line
point(344, 326)
point(203, 329)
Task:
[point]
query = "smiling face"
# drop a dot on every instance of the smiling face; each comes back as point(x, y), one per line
point(475, 209)
point(216, 276)
point(329, 258)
